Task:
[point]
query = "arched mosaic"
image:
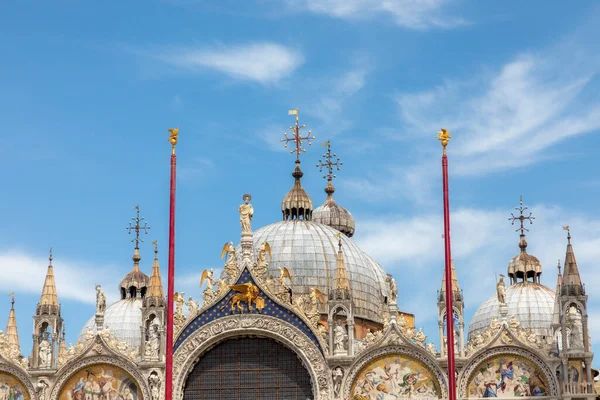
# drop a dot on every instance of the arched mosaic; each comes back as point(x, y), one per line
point(507, 376)
point(12, 388)
point(395, 376)
point(101, 381)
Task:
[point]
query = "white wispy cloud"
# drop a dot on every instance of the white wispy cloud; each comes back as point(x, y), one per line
point(483, 242)
point(411, 14)
point(75, 280)
point(195, 168)
point(263, 62)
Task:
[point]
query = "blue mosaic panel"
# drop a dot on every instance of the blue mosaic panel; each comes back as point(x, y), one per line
point(271, 309)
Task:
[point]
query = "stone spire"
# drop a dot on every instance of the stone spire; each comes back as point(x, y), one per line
point(330, 213)
point(571, 280)
point(297, 205)
point(155, 289)
point(456, 292)
point(12, 335)
point(341, 275)
point(49, 299)
point(556, 312)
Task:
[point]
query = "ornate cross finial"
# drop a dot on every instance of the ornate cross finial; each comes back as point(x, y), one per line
point(521, 217)
point(50, 256)
point(328, 164)
point(137, 227)
point(297, 138)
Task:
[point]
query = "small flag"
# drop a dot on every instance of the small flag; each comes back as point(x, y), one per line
point(327, 143)
point(566, 227)
point(293, 112)
point(12, 294)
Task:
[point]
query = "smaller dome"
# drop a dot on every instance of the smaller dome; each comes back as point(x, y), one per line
point(123, 319)
point(332, 214)
point(297, 204)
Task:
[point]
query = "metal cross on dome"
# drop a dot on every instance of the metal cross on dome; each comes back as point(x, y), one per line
point(296, 137)
point(328, 163)
point(521, 218)
point(137, 227)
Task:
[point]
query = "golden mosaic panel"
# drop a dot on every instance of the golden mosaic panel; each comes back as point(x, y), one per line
point(100, 381)
point(395, 376)
point(507, 376)
point(11, 388)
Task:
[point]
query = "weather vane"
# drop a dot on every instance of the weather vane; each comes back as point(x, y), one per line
point(137, 227)
point(328, 164)
point(521, 218)
point(296, 137)
point(444, 137)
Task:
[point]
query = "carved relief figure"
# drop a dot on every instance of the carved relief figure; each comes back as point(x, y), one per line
point(246, 213)
point(261, 261)
point(152, 345)
point(100, 300)
point(337, 374)
point(45, 354)
point(392, 288)
point(40, 390)
point(154, 383)
point(192, 306)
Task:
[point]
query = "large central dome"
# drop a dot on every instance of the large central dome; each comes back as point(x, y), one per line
point(309, 250)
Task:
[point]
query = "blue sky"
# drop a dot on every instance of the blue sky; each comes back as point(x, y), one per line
point(88, 91)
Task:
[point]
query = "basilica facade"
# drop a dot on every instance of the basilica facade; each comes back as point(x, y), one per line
point(301, 312)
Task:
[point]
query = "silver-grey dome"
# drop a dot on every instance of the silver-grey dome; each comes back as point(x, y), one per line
point(332, 214)
point(309, 250)
point(123, 319)
point(531, 303)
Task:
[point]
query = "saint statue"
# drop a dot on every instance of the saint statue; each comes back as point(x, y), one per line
point(192, 307)
point(40, 390)
point(231, 266)
point(393, 289)
point(45, 354)
point(337, 374)
point(246, 213)
point(501, 290)
point(154, 383)
point(420, 337)
point(339, 338)
point(152, 346)
point(100, 300)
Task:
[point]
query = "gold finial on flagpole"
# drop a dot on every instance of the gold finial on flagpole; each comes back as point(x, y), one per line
point(444, 137)
point(173, 137)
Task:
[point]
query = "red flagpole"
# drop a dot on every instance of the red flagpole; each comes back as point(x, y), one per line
point(444, 138)
point(171, 278)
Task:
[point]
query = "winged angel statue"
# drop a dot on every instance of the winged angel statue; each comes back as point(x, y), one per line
point(231, 267)
point(261, 262)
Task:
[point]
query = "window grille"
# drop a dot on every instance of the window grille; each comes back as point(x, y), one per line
point(249, 369)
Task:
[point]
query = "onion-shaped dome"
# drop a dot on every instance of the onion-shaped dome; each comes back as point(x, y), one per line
point(332, 214)
point(531, 303)
point(123, 319)
point(523, 265)
point(309, 250)
point(135, 283)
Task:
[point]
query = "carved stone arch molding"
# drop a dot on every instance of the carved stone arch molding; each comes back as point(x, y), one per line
point(19, 373)
point(403, 351)
point(68, 370)
point(337, 308)
point(204, 338)
point(481, 356)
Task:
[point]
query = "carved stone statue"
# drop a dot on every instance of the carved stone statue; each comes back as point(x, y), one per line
point(45, 354)
point(393, 289)
point(152, 346)
point(494, 324)
point(514, 323)
point(431, 348)
point(369, 337)
point(261, 262)
point(40, 390)
point(100, 300)
point(192, 307)
point(178, 317)
point(401, 321)
point(154, 383)
point(339, 338)
point(337, 374)
point(246, 213)
point(420, 337)
point(501, 290)
point(575, 337)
